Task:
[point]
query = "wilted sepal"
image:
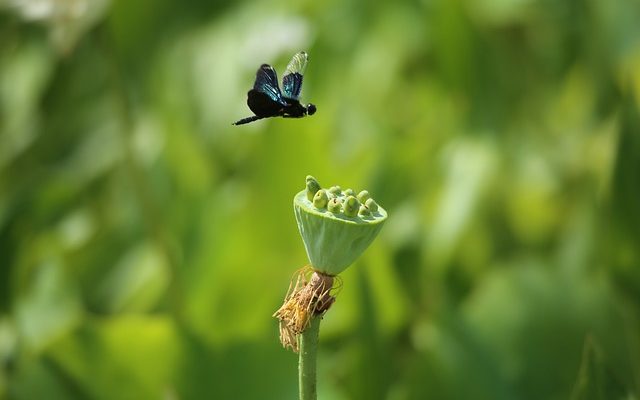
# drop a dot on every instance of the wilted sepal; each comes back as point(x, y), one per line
point(334, 240)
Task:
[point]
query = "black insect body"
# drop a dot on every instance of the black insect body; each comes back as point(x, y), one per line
point(266, 100)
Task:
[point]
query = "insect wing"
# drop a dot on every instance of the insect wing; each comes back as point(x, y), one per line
point(262, 105)
point(267, 83)
point(292, 78)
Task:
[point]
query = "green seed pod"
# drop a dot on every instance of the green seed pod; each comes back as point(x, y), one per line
point(371, 205)
point(349, 192)
point(320, 199)
point(336, 190)
point(363, 196)
point(335, 205)
point(312, 187)
point(333, 240)
point(364, 211)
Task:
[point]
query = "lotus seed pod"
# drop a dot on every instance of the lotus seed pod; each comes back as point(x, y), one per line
point(349, 192)
point(312, 187)
point(364, 211)
point(335, 205)
point(320, 199)
point(333, 240)
point(371, 205)
point(336, 190)
point(363, 196)
point(351, 206)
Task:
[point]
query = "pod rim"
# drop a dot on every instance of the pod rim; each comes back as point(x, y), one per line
point(375, 218)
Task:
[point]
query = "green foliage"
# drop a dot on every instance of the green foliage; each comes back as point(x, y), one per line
point(145, 242)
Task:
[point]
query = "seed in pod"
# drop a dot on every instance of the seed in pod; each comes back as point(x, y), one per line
point(351, 206)
point(320, 199)
point(371, 205)
point(335, 205)
point(363, 196)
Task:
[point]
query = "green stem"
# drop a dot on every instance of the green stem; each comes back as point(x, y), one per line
point(307, 361)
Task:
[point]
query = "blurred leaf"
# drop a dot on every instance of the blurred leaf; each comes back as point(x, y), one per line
point(469, 165)
point(137, 352)
point(136, 283)
point(48, 309)
point(25, 70)
point(594, 381)
point(67, 20)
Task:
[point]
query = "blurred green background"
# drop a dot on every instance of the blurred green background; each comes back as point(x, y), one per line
point(145, 242)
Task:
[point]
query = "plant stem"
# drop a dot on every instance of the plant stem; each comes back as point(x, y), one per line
point(307, 362)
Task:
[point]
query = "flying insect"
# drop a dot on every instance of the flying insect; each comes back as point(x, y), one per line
point(266, 100)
